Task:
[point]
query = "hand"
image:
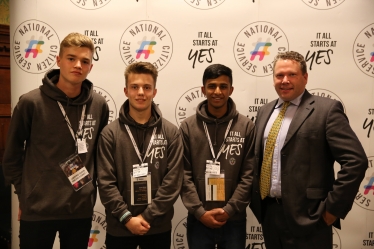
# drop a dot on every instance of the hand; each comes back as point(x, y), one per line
point(222, 217)
point(137, 225)
point(328, 218)
point(209, 218)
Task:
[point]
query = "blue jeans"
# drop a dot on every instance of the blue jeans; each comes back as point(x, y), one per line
point(73, 233)
point(159, 241)
point(232, 235)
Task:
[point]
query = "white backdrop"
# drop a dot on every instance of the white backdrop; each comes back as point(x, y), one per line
point(183, 37)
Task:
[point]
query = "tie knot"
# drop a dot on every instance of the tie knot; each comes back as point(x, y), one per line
point(286, 104)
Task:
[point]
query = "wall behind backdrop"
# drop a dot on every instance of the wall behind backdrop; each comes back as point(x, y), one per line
point(182, 37)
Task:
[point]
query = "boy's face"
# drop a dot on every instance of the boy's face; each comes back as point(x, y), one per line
point(75, 64)
point(140, 91)
point(217, 92)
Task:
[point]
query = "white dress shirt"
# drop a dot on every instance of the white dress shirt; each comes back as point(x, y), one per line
point(275, 182)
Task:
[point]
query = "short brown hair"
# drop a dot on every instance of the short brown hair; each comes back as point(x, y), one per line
point(76, 40)
point(141, 68)
point(294, 56)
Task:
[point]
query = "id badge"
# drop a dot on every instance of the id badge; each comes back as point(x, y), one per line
point(75, 171)
point(82, 147)
point(140, 169)
point(215, 187)
point(213, 167)
point(141, 190)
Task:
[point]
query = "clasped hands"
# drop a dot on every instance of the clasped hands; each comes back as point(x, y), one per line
point(138, 225)
point(214, 218)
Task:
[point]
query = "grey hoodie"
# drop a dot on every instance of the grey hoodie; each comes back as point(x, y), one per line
point(39, 139)
point(237, 160)
point(116, 157)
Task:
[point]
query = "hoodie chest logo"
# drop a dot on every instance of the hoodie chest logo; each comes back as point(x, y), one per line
point(158, 149)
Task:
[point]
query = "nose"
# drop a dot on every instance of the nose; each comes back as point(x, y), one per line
point(78, 64)
point(217, 90)
point(140, 91)
point(285, 80)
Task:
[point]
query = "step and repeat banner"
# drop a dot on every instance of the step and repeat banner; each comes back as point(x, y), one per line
point(181, 38)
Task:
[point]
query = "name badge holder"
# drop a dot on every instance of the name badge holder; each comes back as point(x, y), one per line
point(215, 187)
point(140, 177)
point(75, 171)
point(214, 176)
point(141, 190)
point(73, 166)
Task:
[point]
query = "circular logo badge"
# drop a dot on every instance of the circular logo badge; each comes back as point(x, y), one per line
point(35, 46)
point(256, 45)
point(323, 5)
point(146, 41)
point(364, 197)
point(188, 103)
point(98, 231)
point(109, 100)
point(363, 50)
point(90, 5)
point(327, 94)
point(180, 235)
point(204, 5)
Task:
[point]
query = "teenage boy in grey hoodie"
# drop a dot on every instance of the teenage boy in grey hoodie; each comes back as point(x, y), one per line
point(218, 166)
point(53, 136)
point(140, 167)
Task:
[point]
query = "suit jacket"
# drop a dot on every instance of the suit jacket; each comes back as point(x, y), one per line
point(319, 135)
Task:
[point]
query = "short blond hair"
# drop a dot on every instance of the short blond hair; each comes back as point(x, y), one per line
point(76, 40)
point(141, 68)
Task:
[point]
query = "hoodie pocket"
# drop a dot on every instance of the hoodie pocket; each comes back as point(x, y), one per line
point(53, 195)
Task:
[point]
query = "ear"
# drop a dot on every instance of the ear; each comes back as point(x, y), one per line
point(154, 93)
point(305, 76)
point(232, 89)
point(126, 91)
point(203, 90)
point(90, 68)
point(58, 59)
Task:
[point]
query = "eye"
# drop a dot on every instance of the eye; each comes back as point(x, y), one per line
point(223, 87)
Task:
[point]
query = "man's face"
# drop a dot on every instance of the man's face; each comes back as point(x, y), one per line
point(289, 81)
point(217, 92)
point(75, 63)
point(140, 91)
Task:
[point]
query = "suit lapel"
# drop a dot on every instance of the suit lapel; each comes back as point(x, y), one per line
point(303, 111)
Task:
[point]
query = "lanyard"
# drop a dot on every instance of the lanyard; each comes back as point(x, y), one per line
point(79, 131)
point(210, 142)
point(136, 147)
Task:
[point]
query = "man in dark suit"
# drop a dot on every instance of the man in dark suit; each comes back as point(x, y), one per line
point(300, 199)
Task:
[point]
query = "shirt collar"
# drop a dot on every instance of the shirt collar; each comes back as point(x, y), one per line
point(295, 101)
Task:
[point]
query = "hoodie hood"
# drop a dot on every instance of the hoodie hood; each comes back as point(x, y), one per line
point(125, 118)
point(201, 112)
point(50, 89)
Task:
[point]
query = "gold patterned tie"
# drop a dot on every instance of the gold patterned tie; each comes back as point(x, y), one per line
point(269, 150)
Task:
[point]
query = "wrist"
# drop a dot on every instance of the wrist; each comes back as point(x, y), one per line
point(125, 217)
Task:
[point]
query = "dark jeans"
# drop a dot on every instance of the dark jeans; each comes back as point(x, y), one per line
point(74, 234)
point(232, 235)
point(159, 241)
point(278, 236)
